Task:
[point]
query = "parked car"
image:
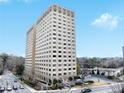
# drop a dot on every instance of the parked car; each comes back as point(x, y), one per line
point(15, 87)
point(9, 88)
point(2, 88)
point(15, 80)
point(86, 90)
point(21, 87)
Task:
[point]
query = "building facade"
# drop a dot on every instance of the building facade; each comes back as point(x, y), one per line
point(116, 72)
point(51, 52)
point(30, 52)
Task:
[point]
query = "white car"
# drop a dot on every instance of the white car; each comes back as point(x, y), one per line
point(2, 88)
point(9, 88)
point(21, 87)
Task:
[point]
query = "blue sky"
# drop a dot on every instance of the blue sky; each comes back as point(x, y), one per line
point(99, 25)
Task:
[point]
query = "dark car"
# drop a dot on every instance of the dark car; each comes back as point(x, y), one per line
point(86, 90)
point(15, 80)
point(15, 87)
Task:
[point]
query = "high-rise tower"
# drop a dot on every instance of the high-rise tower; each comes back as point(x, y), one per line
point(51, 49)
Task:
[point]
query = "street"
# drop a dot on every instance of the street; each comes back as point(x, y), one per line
point(115, 88)
point(8, 80)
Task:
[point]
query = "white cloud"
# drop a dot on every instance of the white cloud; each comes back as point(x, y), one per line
point(4, 1)
point(26, 1)
point(23, 0)
point(106, 21)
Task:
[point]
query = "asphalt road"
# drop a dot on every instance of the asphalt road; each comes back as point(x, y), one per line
point(115, 88)
point(8, 80)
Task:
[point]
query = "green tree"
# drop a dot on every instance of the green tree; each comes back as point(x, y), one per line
point(78, 68)
point(19, 69)
point(70, 78)
point(55, 81)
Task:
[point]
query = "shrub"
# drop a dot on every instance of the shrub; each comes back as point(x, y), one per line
point(89, 82)
point(76, 77)
point(78, 83)
point(110, 77)
point(28, 82)
point(55, 81)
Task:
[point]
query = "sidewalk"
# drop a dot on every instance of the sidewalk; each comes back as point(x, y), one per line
point(63, 90)
point(44, 91)
point(59, 91)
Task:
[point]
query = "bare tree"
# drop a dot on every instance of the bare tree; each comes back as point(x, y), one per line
point(4, 58)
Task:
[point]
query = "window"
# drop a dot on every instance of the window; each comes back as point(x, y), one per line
point(65, 73)
point(59, 56)
point(59, 23)
point(59, 47)
point(60, 69)
point(59, 64)
point(54, 51)
point(54, 74)
point(54, 25)
point(60, 51)
point(69, 69)
point(54, 34)
point(55, 9)
point(59, 38)
point(54, 55)
point(54, 46)
point(64, 51)
point(54, 21)
point(73, 68)
point(64, 56)
point(60, 60)
point(59, 74)
point(54, 60)
point(54, 65)
point(54, 42)
point(59, 26)
point(64, 47)
point(54, 69)
point(64, 43)
point(59, 34)
point(54, 29)
point(64, 60)
point(54, 38)
point(60, 11)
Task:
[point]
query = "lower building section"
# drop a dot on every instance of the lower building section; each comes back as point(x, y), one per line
point(48, 74)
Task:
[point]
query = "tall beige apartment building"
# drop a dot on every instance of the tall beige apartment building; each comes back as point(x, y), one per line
point(50, 47)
